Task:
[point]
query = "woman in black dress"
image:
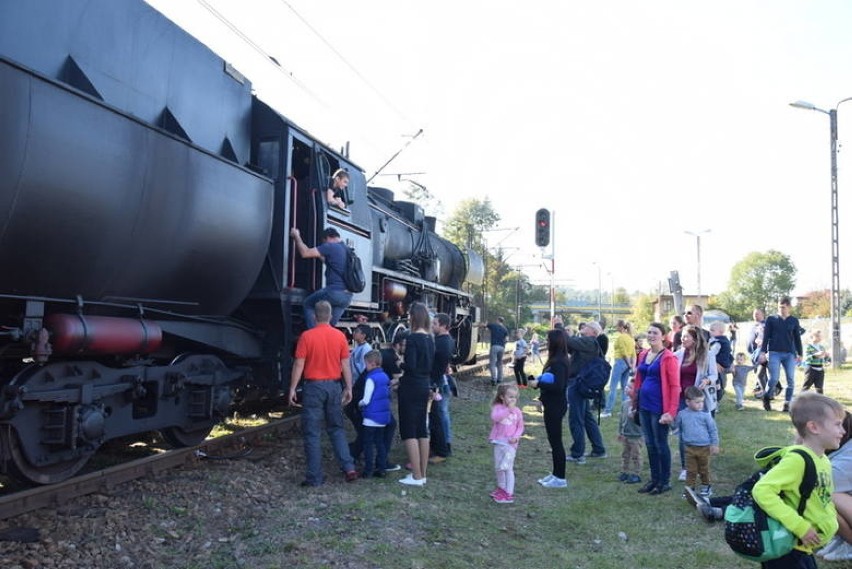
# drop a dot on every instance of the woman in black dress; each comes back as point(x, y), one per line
point(414, 394)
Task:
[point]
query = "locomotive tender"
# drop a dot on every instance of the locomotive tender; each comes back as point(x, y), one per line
point(148, 281)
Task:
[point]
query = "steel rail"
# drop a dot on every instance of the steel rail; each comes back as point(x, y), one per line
point(104, 480)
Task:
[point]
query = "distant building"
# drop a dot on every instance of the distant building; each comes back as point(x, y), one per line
point(664, 306)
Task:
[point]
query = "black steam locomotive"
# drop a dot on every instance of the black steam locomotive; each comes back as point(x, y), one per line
point(147, 277)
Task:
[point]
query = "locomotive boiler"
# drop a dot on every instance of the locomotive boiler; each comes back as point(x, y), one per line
point(147, 278)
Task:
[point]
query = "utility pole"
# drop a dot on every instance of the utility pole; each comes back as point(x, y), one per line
point(518, 300)
point(836, 343)
point(600, 293)
point(697, 235)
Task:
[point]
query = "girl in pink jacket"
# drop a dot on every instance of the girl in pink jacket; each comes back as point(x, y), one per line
point(507, 426)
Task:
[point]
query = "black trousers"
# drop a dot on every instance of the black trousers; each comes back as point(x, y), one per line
point(520, 376)
point(554, 413)
point(794, 560)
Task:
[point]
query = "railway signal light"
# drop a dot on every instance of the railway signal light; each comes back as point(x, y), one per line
point(542, 227)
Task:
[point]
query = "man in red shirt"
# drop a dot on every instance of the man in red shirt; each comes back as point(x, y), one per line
point(322, 353)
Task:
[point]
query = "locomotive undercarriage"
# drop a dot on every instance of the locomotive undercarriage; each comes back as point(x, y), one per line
point(399, 291)
point(56, 411)
point(54, 417)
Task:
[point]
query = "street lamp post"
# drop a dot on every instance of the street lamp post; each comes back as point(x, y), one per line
point(697, 235)
point(835, 228)
point(611, 299)
point(518, 299)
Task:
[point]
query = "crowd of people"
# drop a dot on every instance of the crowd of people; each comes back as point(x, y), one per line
point(673, 387)
point(329, 381)
point(668, 384)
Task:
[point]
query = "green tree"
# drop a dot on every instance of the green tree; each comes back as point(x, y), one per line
point(466, 228)
point(538, 293)
point(643, 312)
point(621, 296)
point(469, 222)
point(500, 281)
point(758, 280)
point(816, 304)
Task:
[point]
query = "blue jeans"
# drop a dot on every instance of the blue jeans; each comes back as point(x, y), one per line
point(618, 378)
point(444, 411)
point(338, 299)
point(657, 444)
point(775, 361)
point(582, 422)
point(438, 443)
point(495, 363)
point(321, 401)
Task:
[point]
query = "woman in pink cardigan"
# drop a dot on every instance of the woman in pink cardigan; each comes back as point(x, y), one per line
point(655, 398)
point(507, 426)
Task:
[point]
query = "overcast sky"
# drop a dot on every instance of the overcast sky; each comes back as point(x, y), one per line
point(633, 121)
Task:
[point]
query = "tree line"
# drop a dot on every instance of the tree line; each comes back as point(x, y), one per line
point(756, 281)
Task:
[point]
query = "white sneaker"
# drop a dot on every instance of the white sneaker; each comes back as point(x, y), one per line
point(606, 414)
point(682, 475)
point(841, 552)
point(411, 481)
point(546, 479)
point(556, 483)
point(830, 546)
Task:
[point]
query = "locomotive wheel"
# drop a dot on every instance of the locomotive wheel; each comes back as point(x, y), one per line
point(50, 474)
point(394, 329)
point(180, 438)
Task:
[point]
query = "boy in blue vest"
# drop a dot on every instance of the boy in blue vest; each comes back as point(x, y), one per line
point(376, 408)
point(819, 423)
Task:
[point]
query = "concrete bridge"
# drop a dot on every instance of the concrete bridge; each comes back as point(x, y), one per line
point(541, 310)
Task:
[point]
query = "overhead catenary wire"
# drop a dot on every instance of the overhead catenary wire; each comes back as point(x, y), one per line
point(397, 153)
point(266, 55)
point(302, 85)
point(346, 62)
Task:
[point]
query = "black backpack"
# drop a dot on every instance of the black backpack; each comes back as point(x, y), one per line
point(748, 530)
point(593, 377)
point(353, 273)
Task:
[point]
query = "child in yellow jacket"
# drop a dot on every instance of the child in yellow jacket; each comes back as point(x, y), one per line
point(819, 422)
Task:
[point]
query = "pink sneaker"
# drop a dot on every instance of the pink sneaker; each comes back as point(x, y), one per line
point(505, 498)
point(496, 493)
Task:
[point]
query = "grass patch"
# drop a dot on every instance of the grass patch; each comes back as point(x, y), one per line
point(597, 523)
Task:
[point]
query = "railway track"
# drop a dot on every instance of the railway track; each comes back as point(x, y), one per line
point(232, 445)
point(108, 478)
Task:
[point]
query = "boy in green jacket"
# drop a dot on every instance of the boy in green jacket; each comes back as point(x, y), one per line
point(819, 422)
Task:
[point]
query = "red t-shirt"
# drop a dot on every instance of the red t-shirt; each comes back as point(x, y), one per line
point(322, 348)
